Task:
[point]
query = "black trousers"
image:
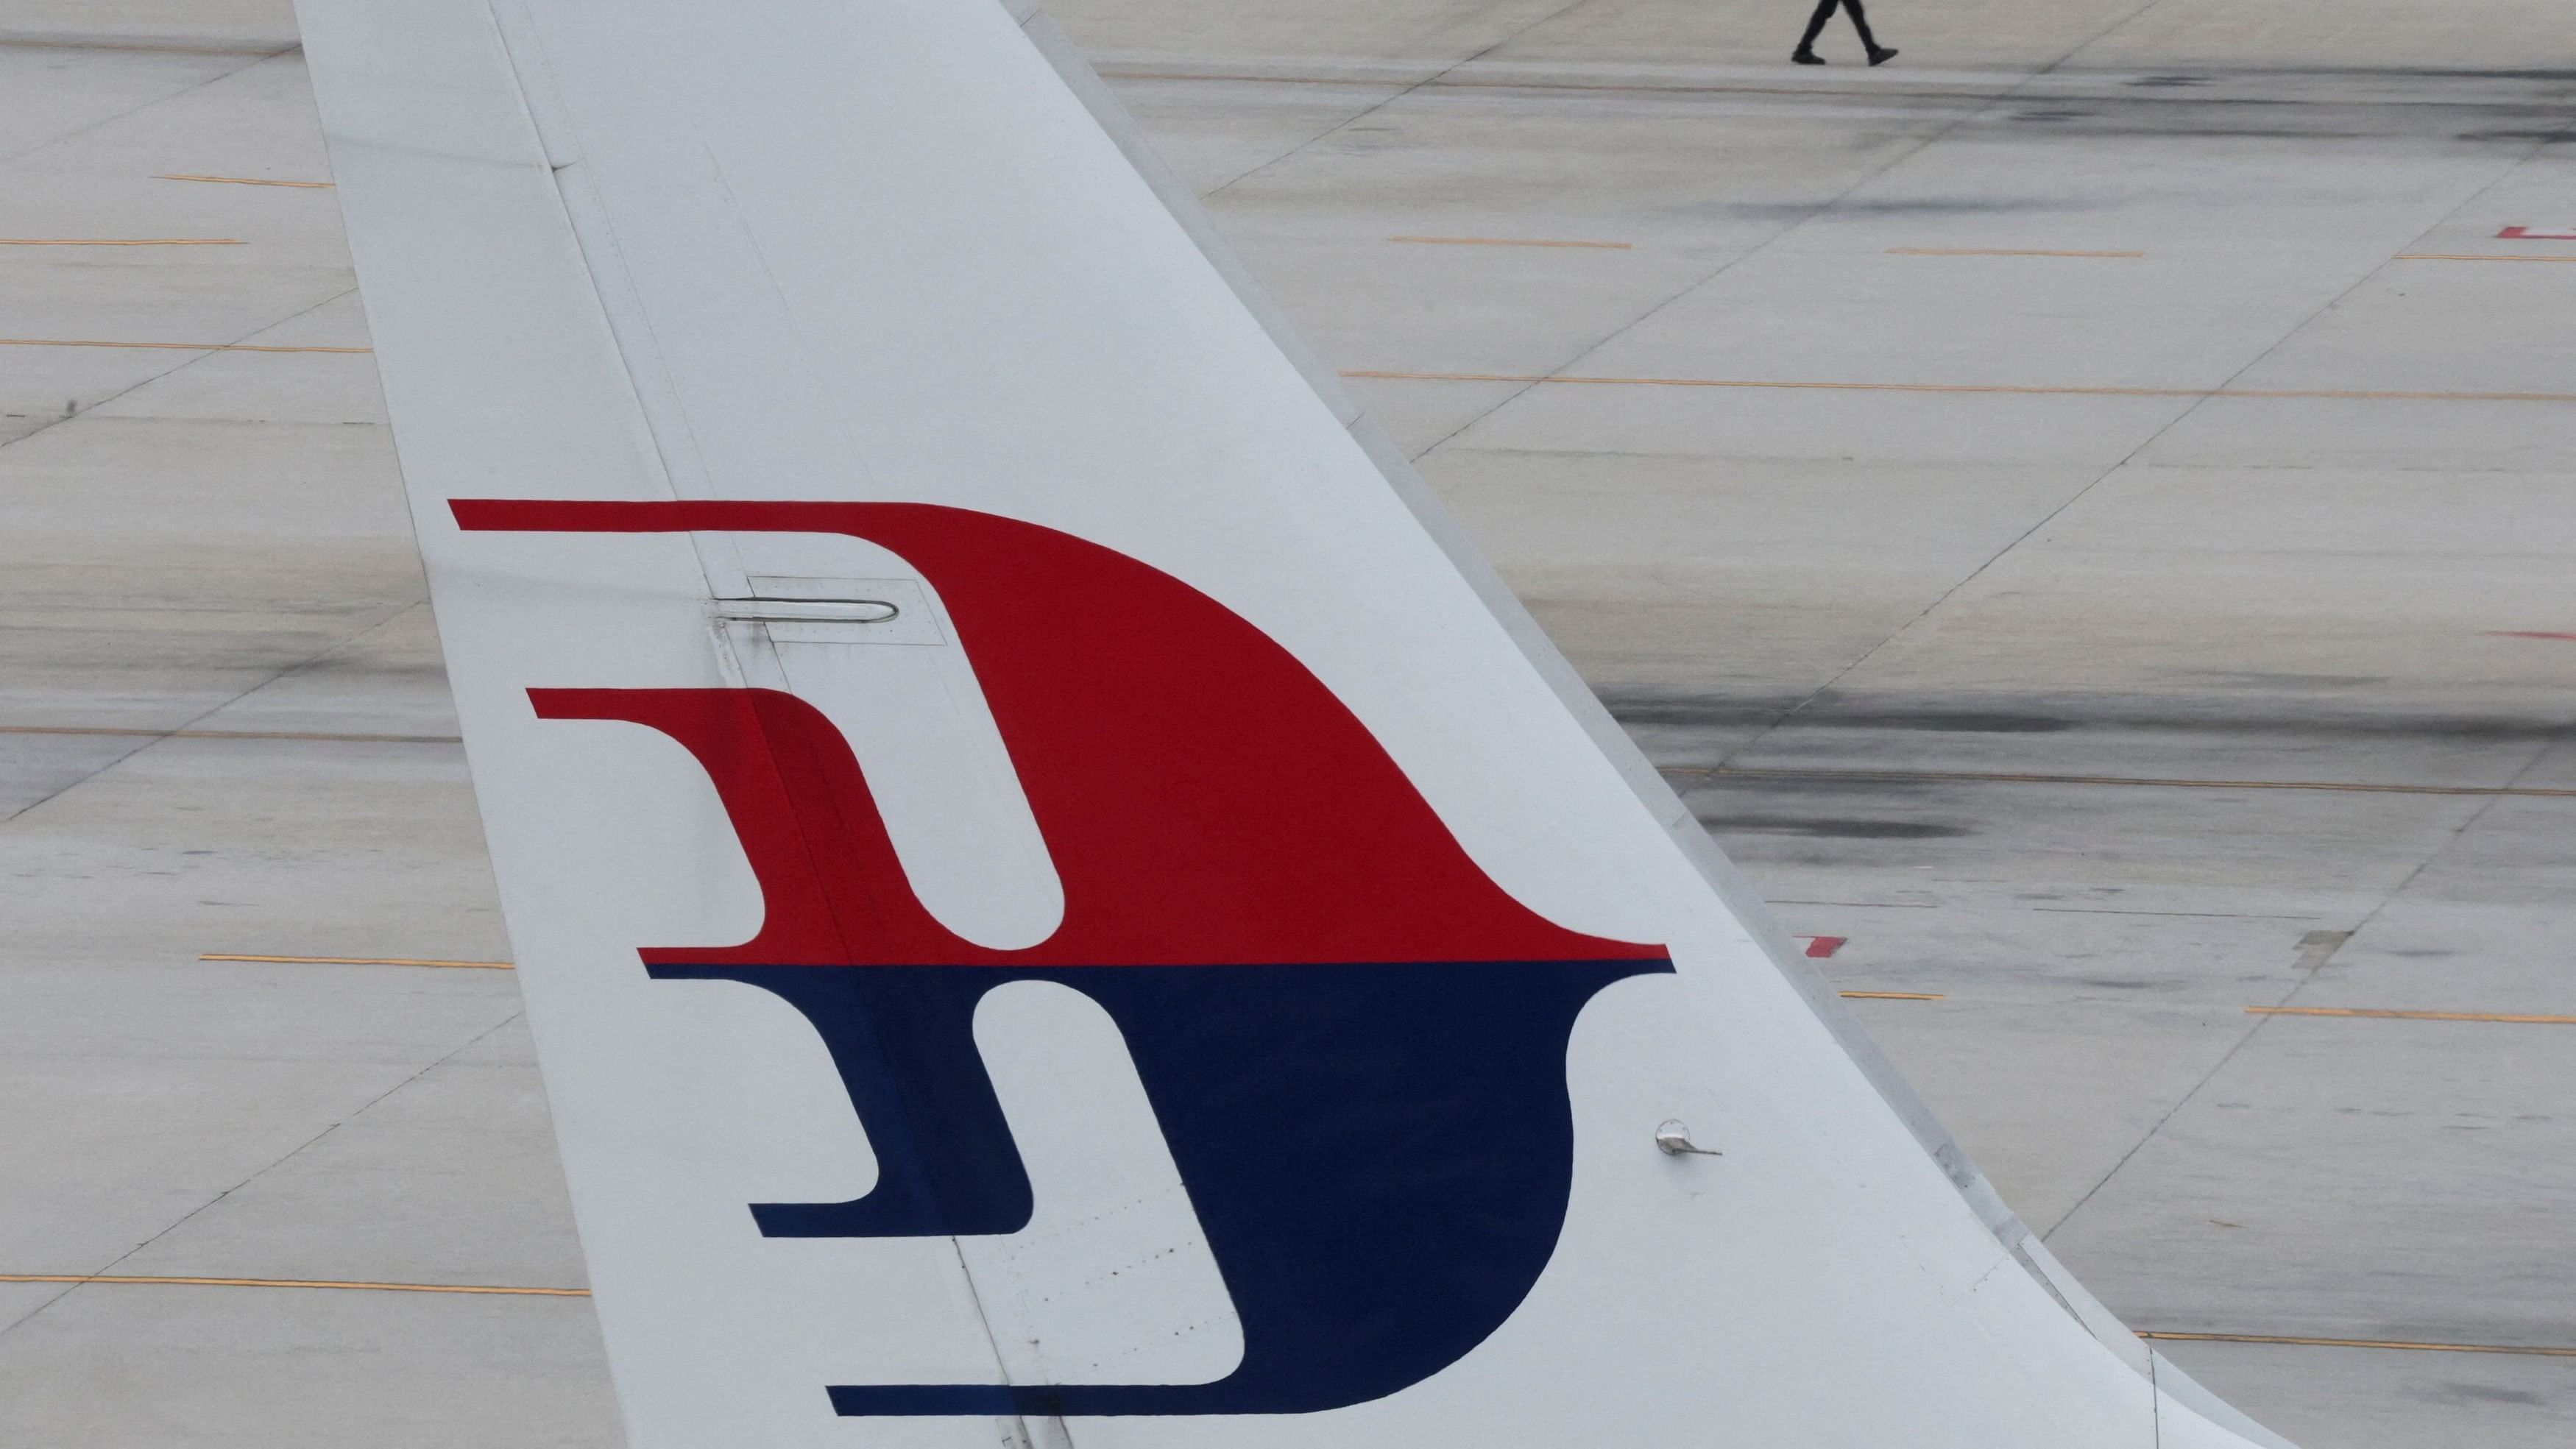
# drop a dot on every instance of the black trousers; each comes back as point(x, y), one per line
point(1825, 12)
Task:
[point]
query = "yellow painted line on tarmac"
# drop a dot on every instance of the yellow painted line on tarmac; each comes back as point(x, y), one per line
point(362, 961)
point(1734, 772)
point(2473, 257)
point(137, 732)
point(1999, 252)
point(1507, 241)
point(96, 241)
point(172, 1281)
point(2383, 1014)
point(245, 181)
point(2344, 394)
point(2544, 1352)
point(1891, 995)
point(172, 346)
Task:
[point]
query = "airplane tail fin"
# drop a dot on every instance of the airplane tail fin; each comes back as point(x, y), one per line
point(1051, 886)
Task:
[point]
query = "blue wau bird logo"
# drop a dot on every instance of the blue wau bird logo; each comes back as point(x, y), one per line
point(1352, 1039)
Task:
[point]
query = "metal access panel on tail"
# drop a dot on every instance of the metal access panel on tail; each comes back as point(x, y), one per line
point(1055, 904)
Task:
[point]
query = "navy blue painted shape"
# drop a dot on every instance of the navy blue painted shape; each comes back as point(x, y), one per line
point(1380, 1155)
point(904, 1041)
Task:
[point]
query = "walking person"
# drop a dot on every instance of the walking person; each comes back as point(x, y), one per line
point(1805, 54)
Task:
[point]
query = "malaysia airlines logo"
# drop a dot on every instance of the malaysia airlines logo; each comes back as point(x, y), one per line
point(1354, 1041)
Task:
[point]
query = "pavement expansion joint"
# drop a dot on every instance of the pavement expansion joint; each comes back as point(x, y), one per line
point(2014, 777)
point(2272, 394)
point(362, 961)
point(2392, 1014)
point(174, 346)
point(245, 181)
point(175, 1281)
point(2391, 1343)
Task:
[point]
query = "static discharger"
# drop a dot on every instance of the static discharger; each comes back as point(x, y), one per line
point(1673, 1139)
point(362, 961)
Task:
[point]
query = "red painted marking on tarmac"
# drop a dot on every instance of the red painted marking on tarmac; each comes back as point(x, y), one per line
point(2529, 634)
point(1820, 947)
point(2524, 233)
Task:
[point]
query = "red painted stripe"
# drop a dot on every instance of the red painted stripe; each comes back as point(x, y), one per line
point(2528, 634)
point(1134, 747)
point(1820, 947)
point(2524, 233)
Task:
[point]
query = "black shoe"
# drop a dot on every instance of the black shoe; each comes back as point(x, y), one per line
point(1803, 56)
point(1881, 55)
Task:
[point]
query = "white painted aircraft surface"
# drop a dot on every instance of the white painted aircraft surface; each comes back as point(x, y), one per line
point(1059, 903)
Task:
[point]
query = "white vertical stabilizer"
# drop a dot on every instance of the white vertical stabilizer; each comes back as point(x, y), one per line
point(1057, 902)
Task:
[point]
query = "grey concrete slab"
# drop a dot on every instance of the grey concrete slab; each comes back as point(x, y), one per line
point(2342, 1398)
point(1986, 35)
point(2122, 585)
point(2271, 732)
point(2480, 929)
point(113, 1366)
point(156, 568)
point(254, 119)
point(2196, 308)
point(256, 845)
point(451, 1178)
point(58, 91)
point(18, 1300)
point(2534, 188)
point(387, 681)
point(1215, 132)
point(1465, 306)
point(2050, 1100)
point(2437, 326)
point(1737, 572)
point(124, 1148)
point(124, 28)
point(1499, 151)
point(35, 768)
point(2367, 434)
point(1942, 429)
point(2350, 1179)
point(2425, 952)
point(1439, 32)
point(323, 388)
point(2076, 946)
point(1422, 415)
point(2151, 845)
point(2369, 33)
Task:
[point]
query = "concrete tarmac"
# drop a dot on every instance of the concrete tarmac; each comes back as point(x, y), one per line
point(2083, 512)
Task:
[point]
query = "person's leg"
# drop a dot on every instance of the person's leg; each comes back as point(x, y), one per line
point(1860, 23)
point(1806, 50)
point(1878, 54)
